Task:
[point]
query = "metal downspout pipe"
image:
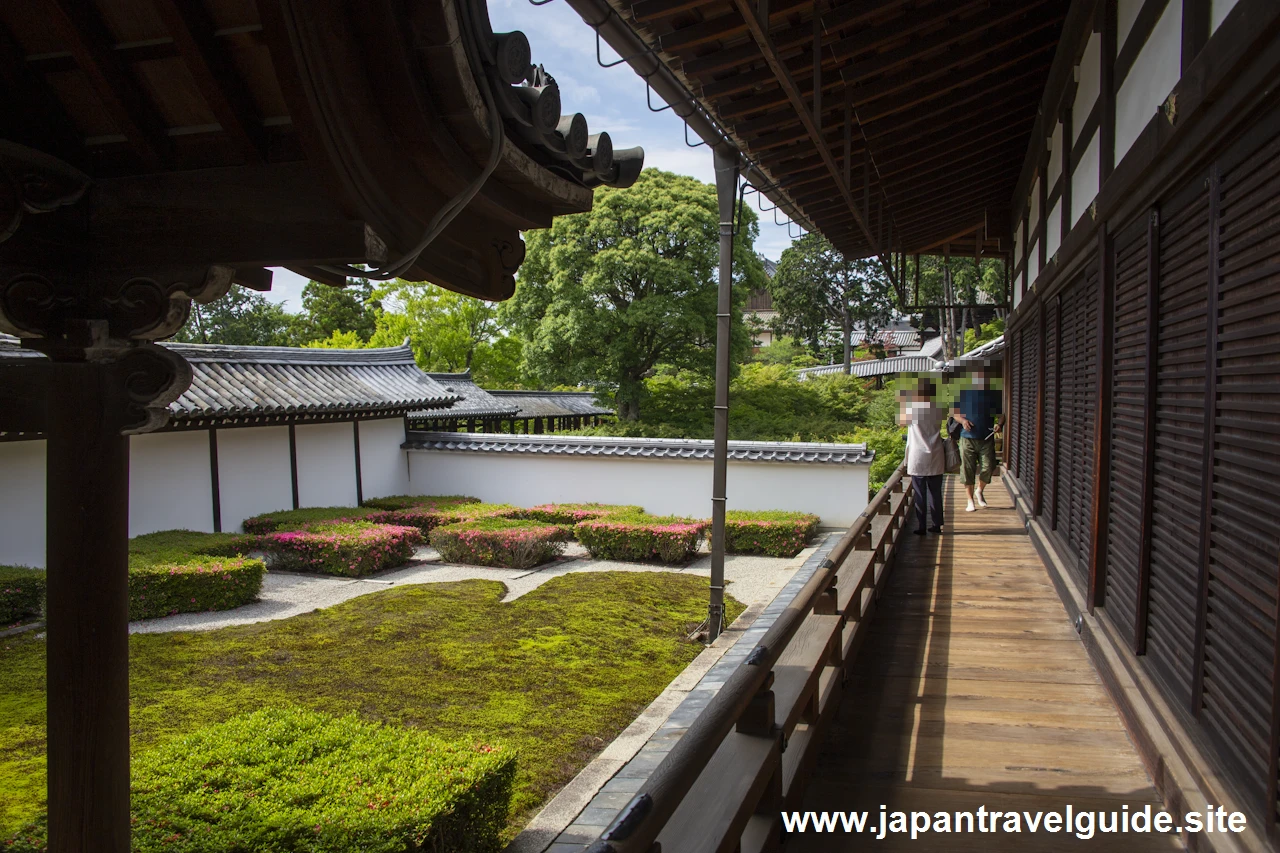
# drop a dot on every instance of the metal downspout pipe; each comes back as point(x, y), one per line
point(727, 163)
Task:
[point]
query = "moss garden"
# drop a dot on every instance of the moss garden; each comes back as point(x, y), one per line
point(549, 678)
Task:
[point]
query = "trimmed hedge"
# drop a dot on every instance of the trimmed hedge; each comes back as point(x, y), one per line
point(298, 780)
point(573, 513)
point(182, 571)
point(770, 532)
point(642, 538)
point(195, 584)
point(500, 542)
point(21, 594)
point(349, 548)
point(407, 501)
point(297, 519)
point(428, 517)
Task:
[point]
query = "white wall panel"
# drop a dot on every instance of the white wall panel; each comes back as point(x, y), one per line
point(1154, 74)
point(254, 477)
point(1053, 232)
point(1089, 84)
point(1033, 264)
point(326, 464)
point(1126, 14)
point(1085, 179)
point(384, 470)
point(836, 493)
point(1034, 220)
point(1017, 244)
point(170, 487)
point(1055, 155)
point(22, 497)
point(1218, 10)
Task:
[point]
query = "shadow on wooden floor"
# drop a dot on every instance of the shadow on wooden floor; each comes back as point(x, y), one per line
point(973, 690)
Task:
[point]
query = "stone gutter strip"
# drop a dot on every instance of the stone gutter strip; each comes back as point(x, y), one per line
point(580, 812)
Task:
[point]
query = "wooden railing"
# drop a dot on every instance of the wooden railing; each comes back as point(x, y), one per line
point(747, 756)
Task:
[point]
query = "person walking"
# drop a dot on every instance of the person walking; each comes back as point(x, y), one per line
point(926, 458)
point(979, 411)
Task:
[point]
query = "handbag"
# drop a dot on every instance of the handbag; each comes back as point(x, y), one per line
point(952, 454)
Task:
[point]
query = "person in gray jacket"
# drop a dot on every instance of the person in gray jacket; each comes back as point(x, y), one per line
point(926, 458)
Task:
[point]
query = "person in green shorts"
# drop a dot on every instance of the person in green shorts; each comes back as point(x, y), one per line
point(979, 411)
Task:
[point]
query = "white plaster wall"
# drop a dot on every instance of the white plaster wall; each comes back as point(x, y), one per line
point(1034, 201)
point(253, 473)
point(1089, 83)
point(836, 493)
point(1218, 10)
point(326, 464)
point(1053, 229)
point(1154, 74)
point(1126, 14)
point(1085, 179)
point(169, 482)
point(384, 470)
point(1055, 155)
point(1017, 244)
point(1033, 264)
point(22, 499)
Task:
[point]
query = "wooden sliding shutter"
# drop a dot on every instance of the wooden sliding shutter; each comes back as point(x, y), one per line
point(1179, 431)
point(1076, 390)
point(1027, 392)
point(1052, 360)
point(1128, 427)
point(1243, 536)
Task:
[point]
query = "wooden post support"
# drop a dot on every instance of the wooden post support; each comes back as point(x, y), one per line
point(87, 530)
point(828, 604)
point(758, 717)
point(863, 542)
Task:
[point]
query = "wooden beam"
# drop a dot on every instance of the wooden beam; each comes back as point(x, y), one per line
point(81, 28)
point(759, 33)
point(1107, 92)
point(1146, 21)
point(219, 81)
point(1195, 29)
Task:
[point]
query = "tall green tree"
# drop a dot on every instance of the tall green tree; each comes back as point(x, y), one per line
point(816, 288)
point(328, 310)
point(606, 296)
point(448, 332)
point(242, 317)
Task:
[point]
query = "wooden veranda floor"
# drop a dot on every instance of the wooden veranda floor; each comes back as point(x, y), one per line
point(973, 689)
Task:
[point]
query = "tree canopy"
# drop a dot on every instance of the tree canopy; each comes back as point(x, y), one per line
point(606, 296)
point(242, 317)
point(816, 287)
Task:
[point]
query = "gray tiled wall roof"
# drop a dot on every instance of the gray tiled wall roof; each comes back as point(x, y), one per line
point(654, 448)
point(476, 402)
point(876, 367)
point(552, 404)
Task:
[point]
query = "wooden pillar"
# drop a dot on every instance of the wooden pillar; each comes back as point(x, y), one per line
point(537, 426)
point(293, 464)
point(1107, 94)
point(1195, 30)
point(355, 431)
point(1102, 420)
point(87, 665)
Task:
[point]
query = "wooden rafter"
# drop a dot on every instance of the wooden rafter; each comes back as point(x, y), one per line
point(802, 110)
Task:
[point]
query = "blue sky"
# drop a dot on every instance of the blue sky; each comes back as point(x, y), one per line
point(612, 99)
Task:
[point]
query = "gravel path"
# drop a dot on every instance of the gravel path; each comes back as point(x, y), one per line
point(751, 580)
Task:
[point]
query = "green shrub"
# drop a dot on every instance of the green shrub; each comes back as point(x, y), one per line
point(297, 780)
point(296, 519)
point(772, 533)
point(21, 594)
point(182, 571)
point(573, 513)
point(890, 448)
point(407, 501)
point(350, 548)
point(195, 584)
point(501, 542)
point(641, 538)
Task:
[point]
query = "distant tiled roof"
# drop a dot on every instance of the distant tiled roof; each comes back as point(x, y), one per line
point(652, 448)
point(551, 404)
point(875, 367)
point(236, 382)
point(475, 403)
point(932, 348)
point(903, 338)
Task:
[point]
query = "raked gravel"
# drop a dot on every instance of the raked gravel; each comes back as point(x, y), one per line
point(751, 580)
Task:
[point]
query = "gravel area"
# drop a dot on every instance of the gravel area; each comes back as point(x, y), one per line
point(750, 580)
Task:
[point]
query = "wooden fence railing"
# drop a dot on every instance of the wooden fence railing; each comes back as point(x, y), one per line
point(747, 756)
